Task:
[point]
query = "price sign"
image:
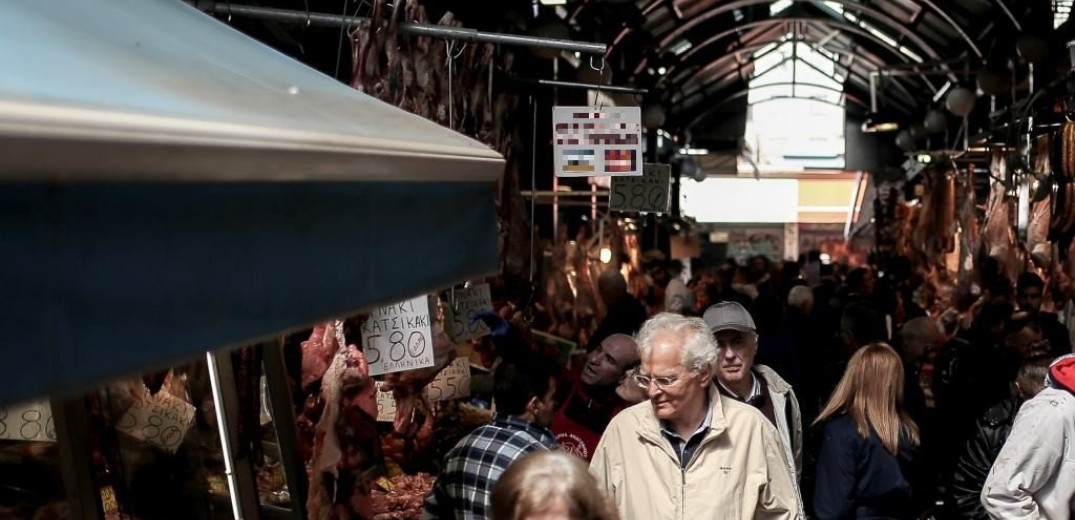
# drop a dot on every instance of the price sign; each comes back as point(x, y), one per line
point(31, 421)
point(398, 337)
point(648, 193)
point(386, 405)
point(589, 142)
point(459, 313)
point(161, 420)
point(451, 383)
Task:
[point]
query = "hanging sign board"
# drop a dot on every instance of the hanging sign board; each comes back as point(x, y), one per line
point(646, 194)
point(398, 337)
point(451, 383)
point(30, 421)
point(590, 142)
point(386, 405)
point(161, 420)
point(467, 302)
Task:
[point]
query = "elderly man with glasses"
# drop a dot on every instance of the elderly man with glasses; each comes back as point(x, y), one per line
point(689, 451)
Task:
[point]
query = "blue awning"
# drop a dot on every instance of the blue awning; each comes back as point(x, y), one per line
point(169, 186)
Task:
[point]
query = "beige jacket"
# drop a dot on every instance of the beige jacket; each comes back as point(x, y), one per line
point(738, 473)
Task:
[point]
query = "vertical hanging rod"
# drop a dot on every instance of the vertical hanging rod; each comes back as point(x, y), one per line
point(410, 28)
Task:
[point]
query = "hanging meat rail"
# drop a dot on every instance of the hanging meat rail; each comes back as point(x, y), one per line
point(415, 29)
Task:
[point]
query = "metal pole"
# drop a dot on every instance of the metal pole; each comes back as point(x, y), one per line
point(240, 473)
point(70, 419)
point(588, 86)
point(409, 28)
point(283, 418)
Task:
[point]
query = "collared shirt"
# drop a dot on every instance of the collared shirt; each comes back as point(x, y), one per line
point(476, 463)
point(755, 390)
point(685, 448)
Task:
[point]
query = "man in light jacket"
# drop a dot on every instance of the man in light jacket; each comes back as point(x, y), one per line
point(757, 385)
point(690, 452)
point(1034, 475)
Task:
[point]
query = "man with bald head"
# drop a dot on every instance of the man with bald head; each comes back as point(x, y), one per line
point(599, 392)
point(623, 313)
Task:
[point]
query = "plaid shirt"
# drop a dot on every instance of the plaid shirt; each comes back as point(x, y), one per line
point(474, 465)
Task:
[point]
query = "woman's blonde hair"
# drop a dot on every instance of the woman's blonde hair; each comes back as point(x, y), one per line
point(534, 483)
point(871, 392)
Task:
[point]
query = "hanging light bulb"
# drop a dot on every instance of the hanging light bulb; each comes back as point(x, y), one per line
point(606, 255)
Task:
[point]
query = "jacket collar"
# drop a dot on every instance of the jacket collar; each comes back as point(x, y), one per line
point(650, 429)
point(777, 385)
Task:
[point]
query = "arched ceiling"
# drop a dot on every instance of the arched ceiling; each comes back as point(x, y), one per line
point(697, 56)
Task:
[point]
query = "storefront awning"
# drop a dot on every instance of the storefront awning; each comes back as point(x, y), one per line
point(169, 185)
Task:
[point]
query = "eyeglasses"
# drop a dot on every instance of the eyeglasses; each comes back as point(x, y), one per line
point(643, 381)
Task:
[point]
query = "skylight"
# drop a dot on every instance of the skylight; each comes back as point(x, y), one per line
point(1061, 12)
point(795, 118)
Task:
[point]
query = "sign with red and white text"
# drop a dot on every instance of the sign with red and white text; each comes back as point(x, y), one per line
point(399, 337)
point(590, 142)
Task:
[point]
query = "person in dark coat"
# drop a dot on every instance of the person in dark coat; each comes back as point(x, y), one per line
point(1029, 294)
point(625, 314)
point(991, 431)
point(865, 469)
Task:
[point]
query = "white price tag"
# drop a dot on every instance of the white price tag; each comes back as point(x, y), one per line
point(386, 405)
point(398, 337)
point(161, 420)
point(459, 313)
point(451, 383)
point(589, 142)
point(31, 421)
point(648, 193)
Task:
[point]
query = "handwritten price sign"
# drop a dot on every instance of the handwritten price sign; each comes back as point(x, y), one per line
point(645, 194)
point(468, 302)
point(451, 383)
point(30, 421)
point(386, 405)
point(398, 337)
point(161, 420)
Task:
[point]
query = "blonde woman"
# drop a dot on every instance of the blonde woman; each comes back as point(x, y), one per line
point(550, 486)
point(863, 470)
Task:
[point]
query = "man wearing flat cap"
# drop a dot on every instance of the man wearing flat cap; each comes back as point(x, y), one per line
point(757, 385)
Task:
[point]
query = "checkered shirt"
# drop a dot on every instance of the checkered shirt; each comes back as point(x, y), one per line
point(475, 464)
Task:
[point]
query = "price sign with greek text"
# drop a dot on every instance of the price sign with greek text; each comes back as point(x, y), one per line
point(31, 421)
point(467, 302)
point(161, 420)
point(398, 337)
point(451, 383)
point(589, 141)
point(645, 194)
point(386, 405)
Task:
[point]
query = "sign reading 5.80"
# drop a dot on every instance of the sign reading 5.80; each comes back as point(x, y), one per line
point(398, 337)
point(648, 193)
point(459, 323)
point(31, 421)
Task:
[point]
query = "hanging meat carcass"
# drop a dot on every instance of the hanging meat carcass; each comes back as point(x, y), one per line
point(998, 236)
point(346, 445)
point(412, 429)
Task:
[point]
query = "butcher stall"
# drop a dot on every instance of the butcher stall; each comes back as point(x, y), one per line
point(173, 190)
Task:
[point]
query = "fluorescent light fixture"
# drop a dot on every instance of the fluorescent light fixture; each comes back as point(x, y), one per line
point(876, 123)
point(693, 151)
point(681, 46)
point(944, 90)
point(553, 2)
point(776, 7)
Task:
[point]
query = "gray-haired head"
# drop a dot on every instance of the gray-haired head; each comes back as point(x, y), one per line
point(699, 347)
point(801, 297)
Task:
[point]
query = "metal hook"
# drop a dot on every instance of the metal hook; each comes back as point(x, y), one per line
point(602, 69)
point(229, 12)
point(457, 55)
point(306, 3)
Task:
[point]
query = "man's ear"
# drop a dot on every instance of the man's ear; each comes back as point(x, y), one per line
point(533, 404)
point(706, 376)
